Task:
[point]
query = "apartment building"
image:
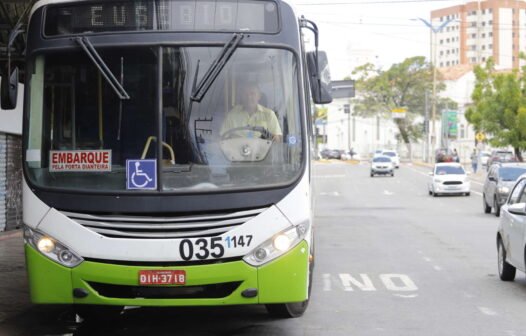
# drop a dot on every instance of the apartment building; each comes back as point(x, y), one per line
point(478, 30)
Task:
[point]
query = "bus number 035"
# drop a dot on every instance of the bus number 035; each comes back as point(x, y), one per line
point(203, 248)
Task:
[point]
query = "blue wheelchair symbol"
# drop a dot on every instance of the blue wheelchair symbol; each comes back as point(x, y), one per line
point(141, 174)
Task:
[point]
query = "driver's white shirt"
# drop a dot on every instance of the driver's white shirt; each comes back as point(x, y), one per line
point(239, 117)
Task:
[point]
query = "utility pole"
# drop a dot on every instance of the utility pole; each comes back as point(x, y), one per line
point(426, 128)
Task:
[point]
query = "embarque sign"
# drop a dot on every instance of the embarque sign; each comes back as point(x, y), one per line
point(80, 161)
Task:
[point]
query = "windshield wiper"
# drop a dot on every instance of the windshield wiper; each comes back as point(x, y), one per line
point(216, 67)
point(103, 68)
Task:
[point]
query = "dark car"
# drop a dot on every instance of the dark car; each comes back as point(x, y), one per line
point(499, 181)
point(335, 154)
point(324, 153)
point(501, 156)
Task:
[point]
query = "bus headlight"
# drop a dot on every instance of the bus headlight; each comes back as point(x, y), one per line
point(51, 248)
point(277, 245)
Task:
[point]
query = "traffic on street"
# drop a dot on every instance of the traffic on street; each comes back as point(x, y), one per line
point(390, 260)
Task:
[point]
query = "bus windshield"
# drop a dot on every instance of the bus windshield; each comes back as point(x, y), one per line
point(245, 133)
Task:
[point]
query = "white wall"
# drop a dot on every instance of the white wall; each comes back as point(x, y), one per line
point(11, 120)
point(366, 133)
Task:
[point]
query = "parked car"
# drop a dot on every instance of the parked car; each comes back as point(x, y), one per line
point(448, 178)
point(382, 165)
point(483, 158)
point(500, 156)
point(324, 153)
point(511, 232)
point(444, 155)
point(500, 179)
point(394, 157)
point(377, 152)
point(335, 154)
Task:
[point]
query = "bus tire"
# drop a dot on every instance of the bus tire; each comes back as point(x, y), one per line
point(97, 312)
point(293, 309)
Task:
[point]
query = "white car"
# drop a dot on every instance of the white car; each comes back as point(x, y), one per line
point(448, 178)
point(511, 233)
point(483, 157)
point(377, 152)
point(394, 157)
point(382, 165)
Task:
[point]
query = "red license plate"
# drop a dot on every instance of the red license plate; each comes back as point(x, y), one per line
point(162, 277)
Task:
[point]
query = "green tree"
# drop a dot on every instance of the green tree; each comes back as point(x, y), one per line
point(499, 107)
point(402, 86)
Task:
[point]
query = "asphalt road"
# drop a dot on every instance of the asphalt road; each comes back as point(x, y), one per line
point(390, 260)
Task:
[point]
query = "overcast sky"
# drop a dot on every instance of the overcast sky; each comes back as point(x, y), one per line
point(383, 31)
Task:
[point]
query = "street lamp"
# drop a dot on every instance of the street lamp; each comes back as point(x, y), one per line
point(434, 62)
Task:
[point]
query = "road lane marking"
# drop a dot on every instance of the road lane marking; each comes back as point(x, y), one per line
point(392, 282)
point(410, 296)
point(404, 283)
point(326, 282)
point(476, 182)
point(329, 176)
point(437, 268)
point(332, 193)
point(427, 259)
point(365, 285)
point(388, 193)
point(487, 311)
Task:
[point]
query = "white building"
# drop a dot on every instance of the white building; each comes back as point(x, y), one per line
point(11, 166)
point(478, 30)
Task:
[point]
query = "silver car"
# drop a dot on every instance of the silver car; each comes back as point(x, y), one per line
point(382, 165)
point(500, 179)
point(511, 233)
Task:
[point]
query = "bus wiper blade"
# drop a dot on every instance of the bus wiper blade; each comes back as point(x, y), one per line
point(216, 67)
point(103, 68)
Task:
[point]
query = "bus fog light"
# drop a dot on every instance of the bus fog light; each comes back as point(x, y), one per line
point(260, 254)
point(277, 245)
point(282, 242)
point(65, 256)
point(51, 248)
point(45, 245)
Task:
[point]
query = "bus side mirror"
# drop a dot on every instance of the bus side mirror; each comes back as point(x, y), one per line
point(320, 77)
point(9, 90)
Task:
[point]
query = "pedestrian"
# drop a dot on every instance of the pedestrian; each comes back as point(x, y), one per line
point(474, 161)
point(455, 156)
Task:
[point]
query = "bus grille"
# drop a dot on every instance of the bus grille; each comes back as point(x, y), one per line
point(213, 291)
point(144, 227)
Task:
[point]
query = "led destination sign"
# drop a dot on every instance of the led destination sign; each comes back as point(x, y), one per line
point(173, 15)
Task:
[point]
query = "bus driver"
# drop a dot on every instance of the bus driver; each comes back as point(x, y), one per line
point(251, 114)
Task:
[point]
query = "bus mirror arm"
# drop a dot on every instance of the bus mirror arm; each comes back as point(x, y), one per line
point(318, 67)
point(9, 84)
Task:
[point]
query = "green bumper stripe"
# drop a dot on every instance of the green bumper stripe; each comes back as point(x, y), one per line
point(282, 280)
point(285, 279)
point(49, 282)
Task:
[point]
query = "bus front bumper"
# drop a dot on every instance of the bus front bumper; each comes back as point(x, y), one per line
point(281, 280)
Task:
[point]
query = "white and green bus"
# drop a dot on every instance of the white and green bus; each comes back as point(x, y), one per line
point(135, 191)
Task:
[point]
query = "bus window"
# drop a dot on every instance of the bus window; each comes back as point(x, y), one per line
point(78, 111)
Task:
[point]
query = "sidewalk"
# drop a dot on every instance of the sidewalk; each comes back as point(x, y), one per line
point(14, 290)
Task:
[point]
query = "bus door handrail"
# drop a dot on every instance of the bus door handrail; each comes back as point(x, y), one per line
point(147, 147)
